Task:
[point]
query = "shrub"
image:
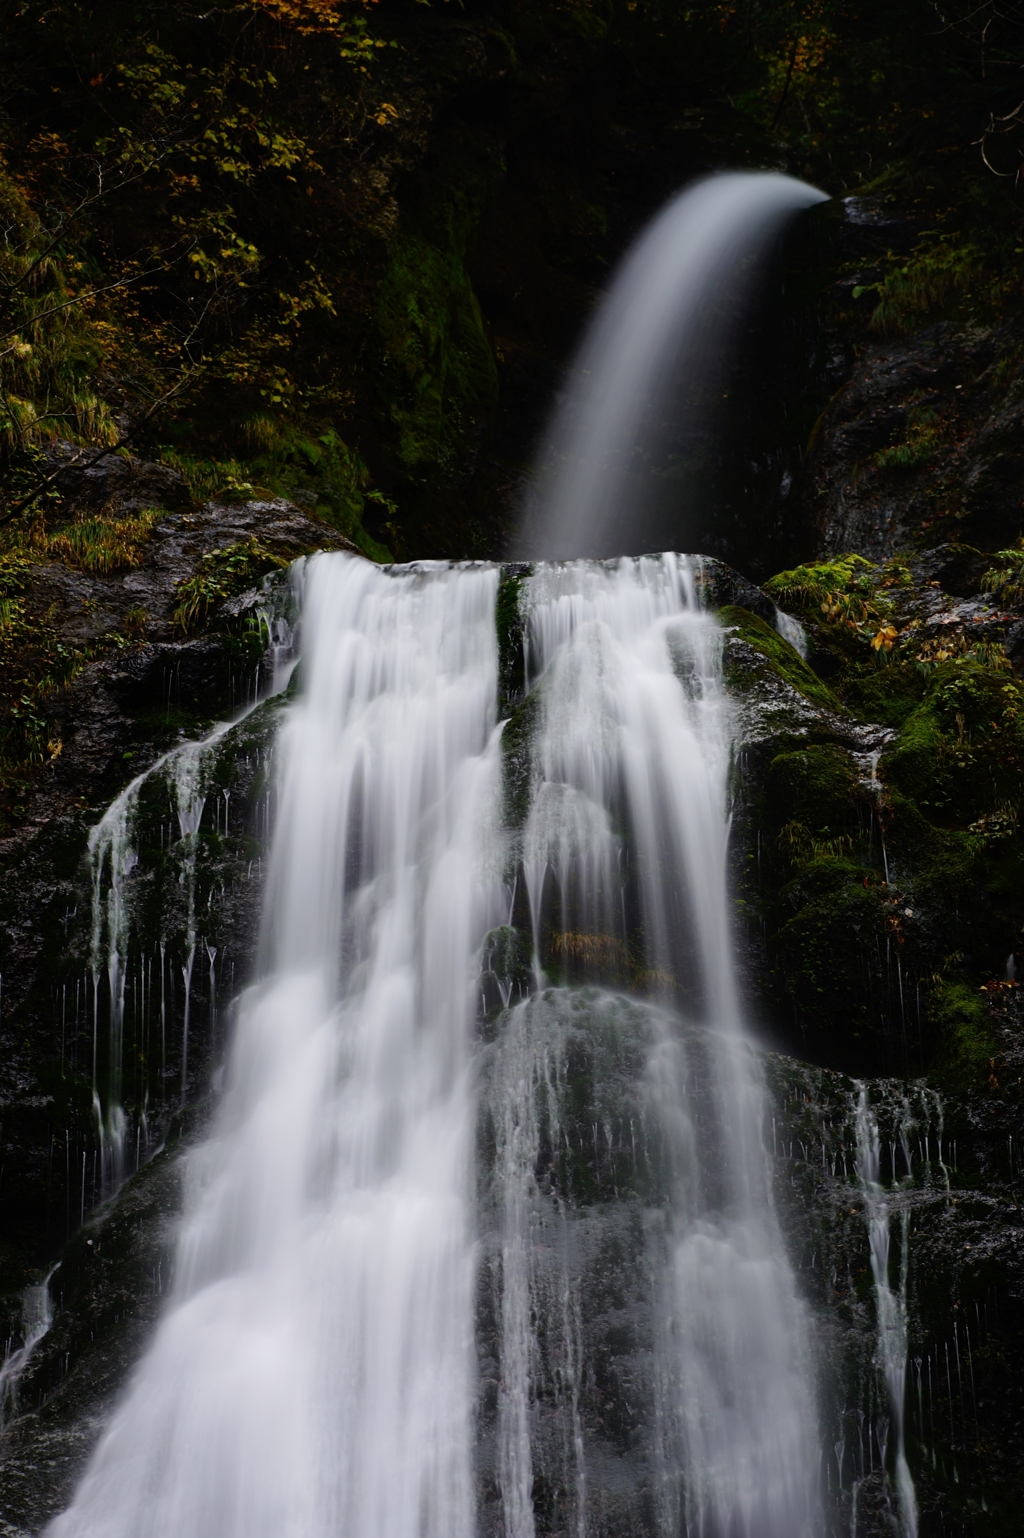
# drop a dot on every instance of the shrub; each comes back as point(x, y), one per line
point(222, 574)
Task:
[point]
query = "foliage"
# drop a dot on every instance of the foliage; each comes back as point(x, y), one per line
point(205, 478)
point(254, 223)
point(142, 274)
point(801, 846)
point(843, 594)
point(966, 1039)
point(33, 662)
point(922, 438)
point(222, 574)
point(931, 653)
point(1006, 576)
point(960, 754)
point(102, 545)
point(936, 274)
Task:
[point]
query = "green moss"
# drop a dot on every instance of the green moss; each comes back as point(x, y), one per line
point(960, 753)
point(509, 624)
point(838, 589)
point(435, 346)
point(884, 689)
point(517, 760)
point(816, 787)
point(307, 463)
point(824, 956)
point(966, 1044)
point(781, 658)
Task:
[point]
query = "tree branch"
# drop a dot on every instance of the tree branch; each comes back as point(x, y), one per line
point(79, 461)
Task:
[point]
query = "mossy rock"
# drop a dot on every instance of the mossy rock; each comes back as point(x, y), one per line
point(816, 787)
point(823, 960)
point(510, 626)
point(780, 659)
point(445, 382)
point(883, 690)
point(966, 1043)
point(960, 754)
point(517, 760)
point(599, 1136)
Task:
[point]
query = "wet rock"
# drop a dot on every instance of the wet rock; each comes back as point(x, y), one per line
point(951, 1172)
point(107, 1293)
point(115, 719)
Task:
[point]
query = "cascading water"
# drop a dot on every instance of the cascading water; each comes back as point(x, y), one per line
point(624, 859)
point(890, 1302)
point(652, 357)
point(314, 1374)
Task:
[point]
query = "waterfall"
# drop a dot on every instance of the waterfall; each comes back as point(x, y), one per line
point(891, 1303)
point(624, 859)
point(314, 1372)
point(650, 364)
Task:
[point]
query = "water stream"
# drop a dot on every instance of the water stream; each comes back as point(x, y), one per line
point(36, 1319)
point(316, 1372)
point(890, 1301)
point(644, 389)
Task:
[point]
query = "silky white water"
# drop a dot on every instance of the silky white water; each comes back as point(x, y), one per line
point(658, 339)
point(890, 1302)
point(626, 844)
point(314, 1373)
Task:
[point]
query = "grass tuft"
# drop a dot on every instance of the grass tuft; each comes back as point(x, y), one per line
point(102, 545)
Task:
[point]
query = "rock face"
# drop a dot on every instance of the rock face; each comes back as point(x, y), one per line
point(920, 443)
point(107, 1293)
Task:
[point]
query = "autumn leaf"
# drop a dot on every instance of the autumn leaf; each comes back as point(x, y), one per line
point(307, 17)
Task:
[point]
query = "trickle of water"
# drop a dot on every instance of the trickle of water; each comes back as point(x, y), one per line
point(36, 1319)
point(113, 857)
point(891, 1303)
point(791, 630)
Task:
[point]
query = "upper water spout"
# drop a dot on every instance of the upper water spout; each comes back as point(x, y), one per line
point(652, 355)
